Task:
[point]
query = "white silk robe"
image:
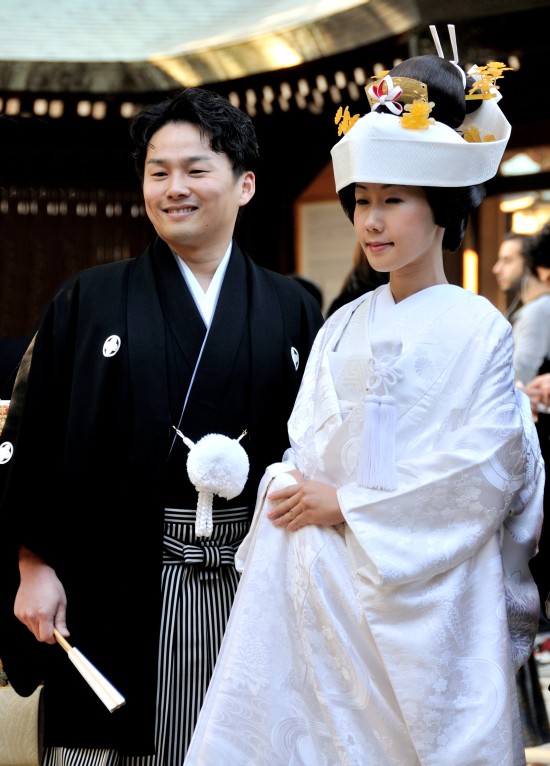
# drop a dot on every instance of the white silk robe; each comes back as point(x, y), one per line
point(393, 638)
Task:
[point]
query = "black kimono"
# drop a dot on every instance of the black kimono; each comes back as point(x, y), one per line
point(90, 462)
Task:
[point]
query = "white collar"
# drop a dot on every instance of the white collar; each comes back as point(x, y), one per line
point(205, 301)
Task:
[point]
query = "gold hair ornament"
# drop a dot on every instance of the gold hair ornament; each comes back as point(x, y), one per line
point(395, 92)
point(485, 86)
point(418, 115)
point(346, 122)
point(473, 136)
point(408, 98)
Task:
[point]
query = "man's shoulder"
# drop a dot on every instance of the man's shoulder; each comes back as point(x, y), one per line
point(542, 303)
point(106, 271)
point(102, 276)
point(290, 294)
point(537, 308)
point(285, 285)
point(97, 289)
point(280, 281)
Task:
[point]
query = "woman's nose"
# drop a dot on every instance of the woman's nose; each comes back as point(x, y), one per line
point(374, 221)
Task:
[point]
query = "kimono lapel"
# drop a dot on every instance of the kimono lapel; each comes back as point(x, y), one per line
point(326, 413)
point(158, 296)
point(179, 308)
point(268, 352)
point(227, 332)
point(224, 338)
point(147, 362)
point(248, 311)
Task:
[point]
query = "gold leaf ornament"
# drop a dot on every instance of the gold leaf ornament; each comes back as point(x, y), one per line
point(473, 136)
point(417, 116)
point(344, 121)
point(485, 87)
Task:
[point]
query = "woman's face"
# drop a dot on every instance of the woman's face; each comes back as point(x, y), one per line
point(396, 228)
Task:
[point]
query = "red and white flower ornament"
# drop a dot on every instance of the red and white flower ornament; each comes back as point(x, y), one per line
point(386, 93)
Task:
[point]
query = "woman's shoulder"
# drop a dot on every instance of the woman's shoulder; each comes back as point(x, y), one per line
point(467, 312)
point(478, 303)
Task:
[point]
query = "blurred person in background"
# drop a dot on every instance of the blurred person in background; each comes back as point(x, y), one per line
point(529, 313)
point(538, 390)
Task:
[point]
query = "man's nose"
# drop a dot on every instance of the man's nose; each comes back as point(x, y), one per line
point(179, 185)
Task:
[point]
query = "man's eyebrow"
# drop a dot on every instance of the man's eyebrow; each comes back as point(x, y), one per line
point(186, 160)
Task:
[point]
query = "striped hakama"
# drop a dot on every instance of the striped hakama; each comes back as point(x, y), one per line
point(199, 581)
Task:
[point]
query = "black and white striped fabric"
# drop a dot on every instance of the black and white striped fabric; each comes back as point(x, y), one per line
point(199, 581)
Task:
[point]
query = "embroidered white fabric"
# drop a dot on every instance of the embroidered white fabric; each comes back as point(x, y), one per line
point(392, 639)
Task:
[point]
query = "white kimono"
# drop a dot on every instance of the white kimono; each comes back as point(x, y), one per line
point(393, 638)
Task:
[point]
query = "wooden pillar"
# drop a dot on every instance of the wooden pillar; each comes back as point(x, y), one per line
point(492, 228)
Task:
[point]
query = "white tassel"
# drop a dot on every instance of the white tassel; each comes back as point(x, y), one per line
point(377, 452)
point(203, 520)
point(388, 428)
point(370, 440)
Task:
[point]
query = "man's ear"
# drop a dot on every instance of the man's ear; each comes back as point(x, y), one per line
point(248, 187)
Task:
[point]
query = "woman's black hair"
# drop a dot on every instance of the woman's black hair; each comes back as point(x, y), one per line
point(451, 206)
point(445, 87)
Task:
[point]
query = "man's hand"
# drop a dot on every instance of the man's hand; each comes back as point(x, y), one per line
point(538, 391)
point(40, 602)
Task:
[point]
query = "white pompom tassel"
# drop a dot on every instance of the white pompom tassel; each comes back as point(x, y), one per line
point(377, 452)
point(216, 465)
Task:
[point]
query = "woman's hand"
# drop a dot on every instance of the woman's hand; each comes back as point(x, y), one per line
point(40, 602)
point(308, 502)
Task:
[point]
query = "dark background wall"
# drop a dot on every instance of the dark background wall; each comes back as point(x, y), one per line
point(69, 195)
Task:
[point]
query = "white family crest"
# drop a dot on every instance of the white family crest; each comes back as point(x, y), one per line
point(111, 345)
point(6, 451)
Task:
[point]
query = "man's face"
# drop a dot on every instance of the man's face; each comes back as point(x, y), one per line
point(510, 266)
point(191, 194)
point(543, 273)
